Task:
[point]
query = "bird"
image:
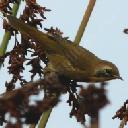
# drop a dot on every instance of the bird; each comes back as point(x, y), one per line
point(69, 60)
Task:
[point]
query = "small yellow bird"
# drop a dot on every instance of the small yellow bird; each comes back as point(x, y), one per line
point(67, 59)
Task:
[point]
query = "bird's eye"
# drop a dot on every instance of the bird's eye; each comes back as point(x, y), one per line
point(108, 71)
point(104, 73)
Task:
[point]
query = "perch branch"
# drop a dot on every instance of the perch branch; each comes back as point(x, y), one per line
point(26, 88)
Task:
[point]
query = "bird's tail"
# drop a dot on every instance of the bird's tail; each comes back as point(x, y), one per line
point(46, 43)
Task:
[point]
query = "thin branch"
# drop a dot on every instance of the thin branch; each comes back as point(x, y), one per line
point(44, 118)
point(7, 34)
point(84, 21)
point(26, 88)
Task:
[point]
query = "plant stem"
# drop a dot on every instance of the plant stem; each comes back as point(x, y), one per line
point(84, 21)
point(44, 118)
point(7, 34)
point(95, 121)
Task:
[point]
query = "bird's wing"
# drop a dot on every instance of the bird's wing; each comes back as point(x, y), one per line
point(62, 66)
point(49, 45)
point(79, 57)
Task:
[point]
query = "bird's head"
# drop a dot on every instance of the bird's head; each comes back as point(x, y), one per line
point(105, 71)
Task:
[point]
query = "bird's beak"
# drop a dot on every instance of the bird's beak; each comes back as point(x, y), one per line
point(118, 77)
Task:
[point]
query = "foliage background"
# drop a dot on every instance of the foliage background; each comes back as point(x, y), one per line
point(104, 36)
